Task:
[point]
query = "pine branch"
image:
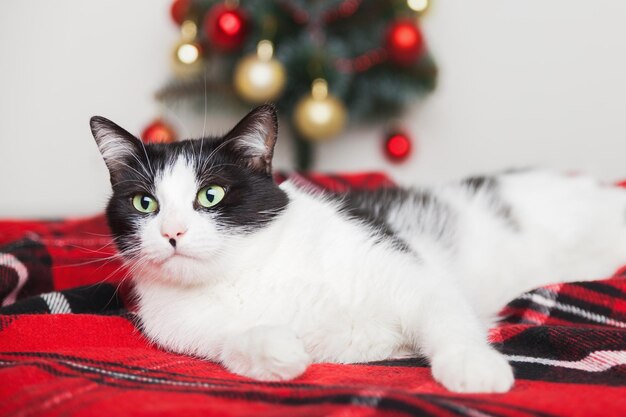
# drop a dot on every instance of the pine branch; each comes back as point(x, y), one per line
point(181, 89)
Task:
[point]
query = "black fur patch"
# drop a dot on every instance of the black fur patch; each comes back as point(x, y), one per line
point(372, 208)
point(490, 188)
point(442, 219)
point(480, 183)
point(432, 216)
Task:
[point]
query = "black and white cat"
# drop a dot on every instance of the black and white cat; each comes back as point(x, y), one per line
point(268, 279)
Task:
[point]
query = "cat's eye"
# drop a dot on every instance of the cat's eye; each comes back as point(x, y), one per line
point(145, 203)
point(210, 196)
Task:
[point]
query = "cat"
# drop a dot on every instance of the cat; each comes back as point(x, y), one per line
point(267, 279)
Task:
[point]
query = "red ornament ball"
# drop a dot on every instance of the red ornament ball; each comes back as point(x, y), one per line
point(404, 41)
point(398, 147)
point(179, 10)
point(158, 132)
point(226, 27)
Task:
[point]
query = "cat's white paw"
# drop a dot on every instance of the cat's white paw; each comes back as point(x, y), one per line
point(473, 370)
point(266, 353)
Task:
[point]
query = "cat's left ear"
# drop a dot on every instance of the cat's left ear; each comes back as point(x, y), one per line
point(254, 137)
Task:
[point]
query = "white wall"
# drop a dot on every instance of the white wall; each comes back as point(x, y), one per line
point(522, 83)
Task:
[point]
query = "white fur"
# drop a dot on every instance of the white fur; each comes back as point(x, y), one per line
point(200, 244)
point(253, 142)
point(315, 287)
point(114, 149)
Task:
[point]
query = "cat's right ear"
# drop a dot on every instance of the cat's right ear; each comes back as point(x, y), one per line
point(115, 144)
point(254, 137)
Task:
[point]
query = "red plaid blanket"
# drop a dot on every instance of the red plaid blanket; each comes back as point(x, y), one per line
point(69, 346)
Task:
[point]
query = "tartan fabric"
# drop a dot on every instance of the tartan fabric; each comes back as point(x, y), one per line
point(70, 346)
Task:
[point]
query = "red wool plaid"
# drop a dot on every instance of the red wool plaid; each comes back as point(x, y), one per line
point(69, 346)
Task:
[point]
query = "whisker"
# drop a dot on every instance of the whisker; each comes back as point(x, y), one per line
point(90, 250)
point(146, 154)
point(134, 170)
point(217, 149)
point(98, 234)
point(205, 109)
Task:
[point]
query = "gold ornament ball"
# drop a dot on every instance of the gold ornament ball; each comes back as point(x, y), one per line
point(187, 58)
point(320, 118)
point(258, 80)
point(420, 6)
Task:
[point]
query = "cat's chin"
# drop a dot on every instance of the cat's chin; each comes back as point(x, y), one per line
point(177, 270)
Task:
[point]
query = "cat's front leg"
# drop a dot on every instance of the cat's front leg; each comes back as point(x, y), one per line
point(266, 353)
point(472, 369)
point(450, 334)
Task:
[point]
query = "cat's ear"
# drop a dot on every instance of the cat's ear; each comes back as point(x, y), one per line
point(115, 144)
point(254, 137)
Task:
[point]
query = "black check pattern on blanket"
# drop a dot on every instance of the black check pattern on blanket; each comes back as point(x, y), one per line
point(577, 339)
point(19, 261)
point(90, 299)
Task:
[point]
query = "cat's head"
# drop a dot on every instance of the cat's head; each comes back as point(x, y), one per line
point(177, 208)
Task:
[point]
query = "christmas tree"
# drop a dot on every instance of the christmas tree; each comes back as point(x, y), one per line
point(324, 63)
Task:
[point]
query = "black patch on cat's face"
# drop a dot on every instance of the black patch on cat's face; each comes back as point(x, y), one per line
point(251, 201)
point(252, 198)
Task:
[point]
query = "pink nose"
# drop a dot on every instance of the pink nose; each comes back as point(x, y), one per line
point(172, 232)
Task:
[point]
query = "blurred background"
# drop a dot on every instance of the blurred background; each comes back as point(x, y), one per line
point(517, 84)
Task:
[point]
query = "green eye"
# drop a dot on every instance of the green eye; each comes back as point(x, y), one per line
point(145, 203)
point(210, 196)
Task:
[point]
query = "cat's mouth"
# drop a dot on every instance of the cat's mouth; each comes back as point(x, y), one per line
point(172, 258)
point(175, 256)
